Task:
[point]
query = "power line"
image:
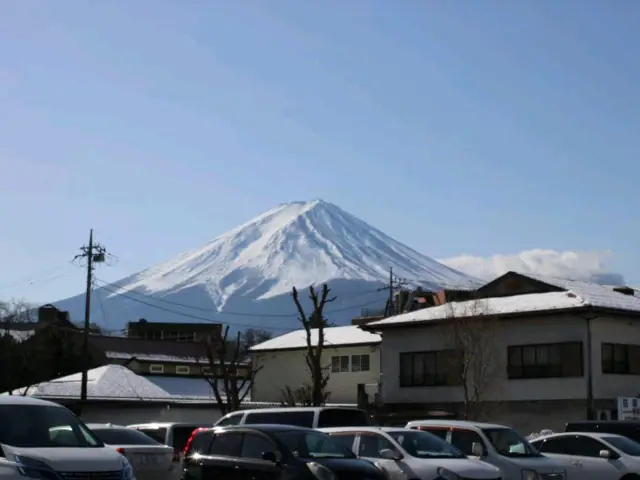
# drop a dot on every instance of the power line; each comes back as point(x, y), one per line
point(113, 288)
point(211, 320)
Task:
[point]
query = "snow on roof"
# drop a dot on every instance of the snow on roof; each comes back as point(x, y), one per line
point(593, 294)
point(333, 336)
point(18, 335)
point(115, 382)
point(155, 357)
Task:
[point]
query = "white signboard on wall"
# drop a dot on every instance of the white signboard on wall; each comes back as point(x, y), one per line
point(628, 408)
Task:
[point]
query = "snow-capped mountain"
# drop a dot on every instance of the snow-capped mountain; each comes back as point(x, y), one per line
point(245, 276)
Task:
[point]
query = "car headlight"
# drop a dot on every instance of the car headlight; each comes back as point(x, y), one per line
point(320, 471)
point(530, 475)
point(444, 474)
point(32, 468)
point(127, 470)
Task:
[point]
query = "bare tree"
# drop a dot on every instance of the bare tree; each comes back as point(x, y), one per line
point(472, 333)
point(229, 374)
point(15, 360)
point(313, 355)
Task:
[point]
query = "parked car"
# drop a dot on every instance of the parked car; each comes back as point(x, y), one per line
point(173, 434)
point(593, 456)
point(406, 453)
point(44, 440)
point(310, 417)
point(499, 445)
point(149, 458)
point(273, 452)
point(627, 428)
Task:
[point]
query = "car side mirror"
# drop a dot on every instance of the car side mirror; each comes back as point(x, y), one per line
point(477, 450)
point(389, 454)
point(604, 454)
point(270, 457)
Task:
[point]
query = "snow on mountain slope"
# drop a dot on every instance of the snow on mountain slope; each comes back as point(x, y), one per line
point(252, 268)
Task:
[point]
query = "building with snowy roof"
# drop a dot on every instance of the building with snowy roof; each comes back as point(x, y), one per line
point(352, 355)
point(544, 351)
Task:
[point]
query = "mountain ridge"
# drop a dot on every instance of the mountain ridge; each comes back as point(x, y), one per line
point(252, 267)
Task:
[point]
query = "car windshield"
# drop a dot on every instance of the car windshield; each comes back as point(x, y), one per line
point(309, 444)
point(625, 445)
point(123, 436)
point(43, 426)
point(421, 444)
point(509, 443)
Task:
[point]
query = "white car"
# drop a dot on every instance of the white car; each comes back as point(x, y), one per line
point(149, 459)
point(593, 456)
point(407, 454)
point(44, 440)
point(498, 445)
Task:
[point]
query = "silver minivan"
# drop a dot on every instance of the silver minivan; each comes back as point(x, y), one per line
point(309, 417)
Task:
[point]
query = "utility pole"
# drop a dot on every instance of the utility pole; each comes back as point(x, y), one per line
point(391, 309)
point(394, 285)
point(94, 253)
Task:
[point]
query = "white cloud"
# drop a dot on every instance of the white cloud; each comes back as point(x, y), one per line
point(588, 266)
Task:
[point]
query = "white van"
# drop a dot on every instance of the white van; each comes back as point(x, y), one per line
point(498, 445)
point(40, 439)
point(310, 417)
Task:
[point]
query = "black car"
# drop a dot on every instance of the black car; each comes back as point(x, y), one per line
point(272, 452)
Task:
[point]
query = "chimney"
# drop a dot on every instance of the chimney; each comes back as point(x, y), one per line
point(625, 290)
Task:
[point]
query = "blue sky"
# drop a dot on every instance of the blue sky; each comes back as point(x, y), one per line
point(455, 126)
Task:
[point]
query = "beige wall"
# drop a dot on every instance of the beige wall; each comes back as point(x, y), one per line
point(516, 332)
point(288, 368)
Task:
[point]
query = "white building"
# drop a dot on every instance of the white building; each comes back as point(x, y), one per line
point(559, 349)
point(351, 354)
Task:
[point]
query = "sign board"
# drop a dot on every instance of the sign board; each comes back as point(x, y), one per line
point(628, 408)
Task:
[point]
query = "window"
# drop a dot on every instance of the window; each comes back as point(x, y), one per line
point(200, 442)
point(426, 369)
point(421, 444)
point(254, 445)
point(311, 444)
point(371, 445)
point(342, 417)
point(226, 444)
point(340, 364)
point(509, 443)
point(463, 440)
point(359, 363)
point(182, 370)
point(181, 435)
point(438, 432)
point(624, 444)
point(545, 360)
point(42, 426)
point(158, 434)
point(299, 419)
point(621, 359)
point(154, 368)
point(346, 439)
point(123, 436)
point(230, 420)
point(575, 445)
point(205, 370)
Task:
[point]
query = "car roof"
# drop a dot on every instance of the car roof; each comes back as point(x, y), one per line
point(20, 400)
point(455, 424)
point(598, 435)
point(364, 429)
point(292, 409)
point(169, 424)
point(270, 427)
point(105, 425)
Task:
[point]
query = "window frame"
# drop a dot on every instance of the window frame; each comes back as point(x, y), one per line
point(609, 366)
point(448, 377)
point(156, 368)
point(338, 363)
point(542, 369)
point(183, 370)
point(360, 357)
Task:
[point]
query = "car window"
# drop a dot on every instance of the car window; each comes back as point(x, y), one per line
point(509, 443)
point(625, 445)
point(372, 444)
point(253, 446)
point(299, 419)
point(123, 436)
point(342, 417)
point(226, 444)
point(200, 442)
point(43, 426)
point(463, 440)
point(158, 434)
point(346, 439)
point(438, 432)
point(230, 420)
point(421, 444)
point(577, 445)
point(311, 444)
point(181, 435)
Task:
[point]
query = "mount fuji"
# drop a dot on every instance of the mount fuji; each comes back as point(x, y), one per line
point(244, 277)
